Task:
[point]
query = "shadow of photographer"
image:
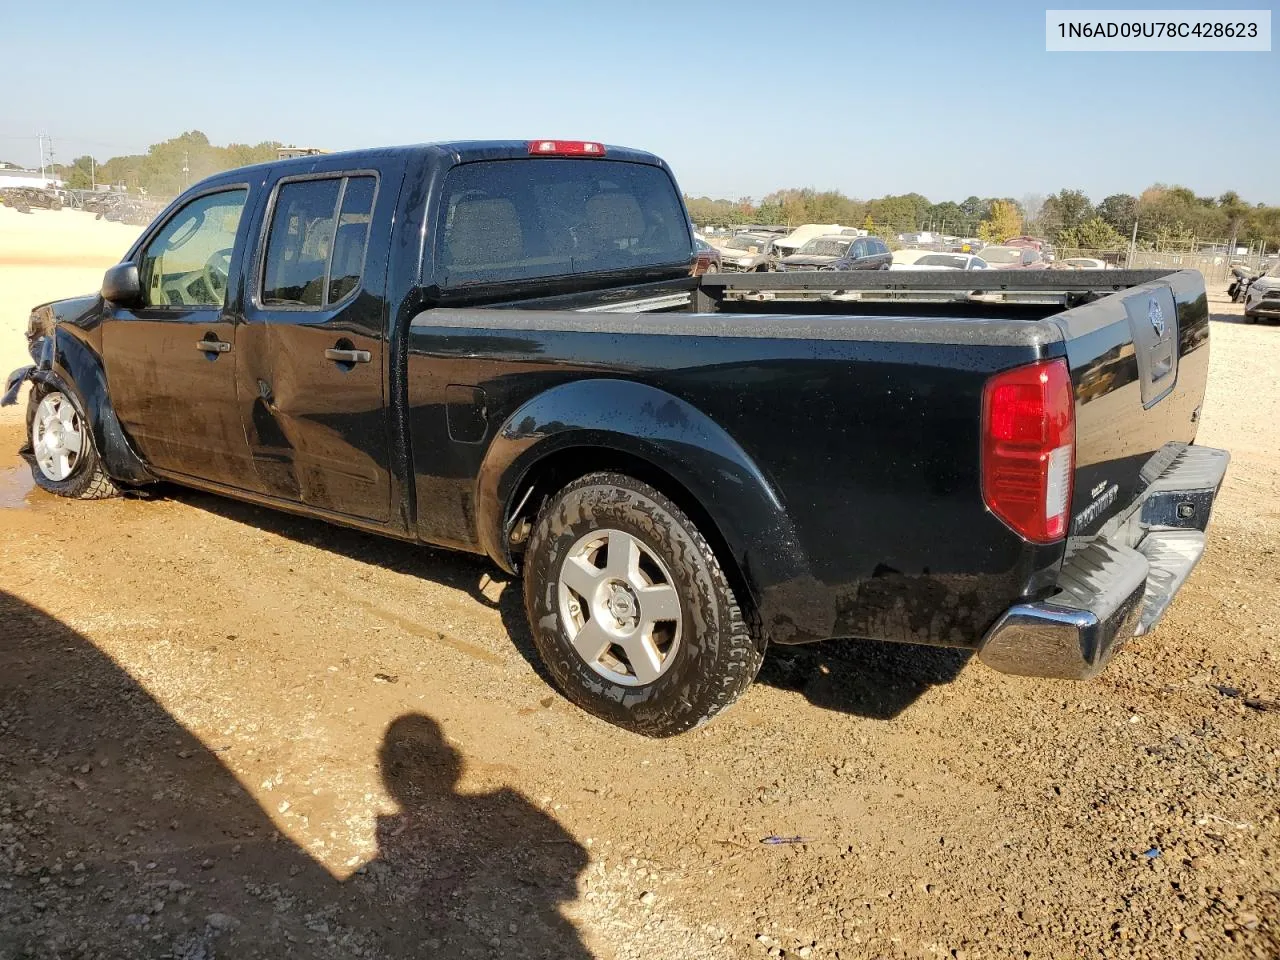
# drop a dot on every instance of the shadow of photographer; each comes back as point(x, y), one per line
point(122, 835)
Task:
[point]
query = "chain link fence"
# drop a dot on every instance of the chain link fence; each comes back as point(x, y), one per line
point(1215, 266)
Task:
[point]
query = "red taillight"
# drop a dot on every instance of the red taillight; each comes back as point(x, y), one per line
point(1028, 448)
point(565, 148)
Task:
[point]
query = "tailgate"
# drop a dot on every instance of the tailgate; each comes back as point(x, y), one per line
point(1139, 362)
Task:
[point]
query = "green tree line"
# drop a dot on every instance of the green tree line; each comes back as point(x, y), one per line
point(1167, 217)
point(160, 171)
point(895, 213)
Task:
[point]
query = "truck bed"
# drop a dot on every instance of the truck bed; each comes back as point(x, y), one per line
point(1106, 320)
point(859, 417)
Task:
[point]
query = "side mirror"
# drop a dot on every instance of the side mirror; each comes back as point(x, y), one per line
point(121, 285)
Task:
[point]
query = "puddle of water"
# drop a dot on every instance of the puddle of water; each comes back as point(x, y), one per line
point(15, 484)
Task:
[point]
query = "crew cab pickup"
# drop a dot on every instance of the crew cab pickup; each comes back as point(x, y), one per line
point(498, 347)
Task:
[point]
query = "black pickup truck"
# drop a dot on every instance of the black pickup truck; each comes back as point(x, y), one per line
point(498, 347)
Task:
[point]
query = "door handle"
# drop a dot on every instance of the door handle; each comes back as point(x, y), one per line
point(213, 346)
point(348, 356)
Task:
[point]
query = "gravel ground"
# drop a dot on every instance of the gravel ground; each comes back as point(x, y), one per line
point(230, 733)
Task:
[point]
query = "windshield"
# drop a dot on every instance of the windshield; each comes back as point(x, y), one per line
point(942, 260)
point(825, 248)
point(745, 243)
point(1002, 255)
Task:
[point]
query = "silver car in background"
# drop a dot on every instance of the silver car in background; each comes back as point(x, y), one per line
point(1263, 298)
point(749, 253)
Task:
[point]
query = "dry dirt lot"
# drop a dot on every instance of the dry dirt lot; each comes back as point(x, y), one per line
point(230, 733)
point(45, 255)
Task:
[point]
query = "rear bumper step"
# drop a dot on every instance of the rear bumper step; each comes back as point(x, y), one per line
point(1120, 584)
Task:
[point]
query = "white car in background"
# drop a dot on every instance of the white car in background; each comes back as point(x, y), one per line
point(1263, 298)
point(940, 261)
point(802, 234)
point(903, 257)
point(1080, 263)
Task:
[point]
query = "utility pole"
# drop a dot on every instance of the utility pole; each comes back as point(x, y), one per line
point(93, 173)
point(185, 168)
point(40, 144)
point(1133, 243)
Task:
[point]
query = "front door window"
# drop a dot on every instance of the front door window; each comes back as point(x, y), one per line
point(188, 262)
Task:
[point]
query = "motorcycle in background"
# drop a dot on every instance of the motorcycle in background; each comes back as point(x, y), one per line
point(1239, 287)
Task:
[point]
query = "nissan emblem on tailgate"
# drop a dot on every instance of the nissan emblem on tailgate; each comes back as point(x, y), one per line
point(1156, 316)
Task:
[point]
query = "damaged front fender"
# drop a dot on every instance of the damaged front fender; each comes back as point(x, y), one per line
point(68, 363)
point(14, 383)
point(42, 352)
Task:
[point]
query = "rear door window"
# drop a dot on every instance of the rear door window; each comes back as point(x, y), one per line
point(316, 246)
point(526, 219)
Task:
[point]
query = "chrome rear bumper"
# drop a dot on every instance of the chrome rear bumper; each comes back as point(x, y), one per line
point(1119, 584)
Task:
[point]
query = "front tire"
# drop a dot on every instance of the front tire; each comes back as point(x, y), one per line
point(631, 611)
point(64, 460)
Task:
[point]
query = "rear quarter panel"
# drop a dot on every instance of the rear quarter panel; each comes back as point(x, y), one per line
point(865, 431)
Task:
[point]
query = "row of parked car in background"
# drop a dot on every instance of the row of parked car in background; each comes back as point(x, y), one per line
point(830, 246)
point(104, 205)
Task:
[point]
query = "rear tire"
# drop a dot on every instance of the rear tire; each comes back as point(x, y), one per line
point(64, 459)
point(1248, 317)
point(579, 588)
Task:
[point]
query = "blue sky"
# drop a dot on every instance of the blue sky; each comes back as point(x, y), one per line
point(948, 99)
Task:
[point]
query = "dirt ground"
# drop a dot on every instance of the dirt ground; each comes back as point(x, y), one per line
point(45, 255)
point(230, 733)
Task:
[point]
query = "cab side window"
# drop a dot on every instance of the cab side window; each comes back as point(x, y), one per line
point(317, 241)
point(188, 263)
point(351, 238)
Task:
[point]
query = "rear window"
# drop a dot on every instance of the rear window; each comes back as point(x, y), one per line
point(1001, 255)
point(942, 260)
point(526, 219)
point(316, 247)
point(825, 248)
